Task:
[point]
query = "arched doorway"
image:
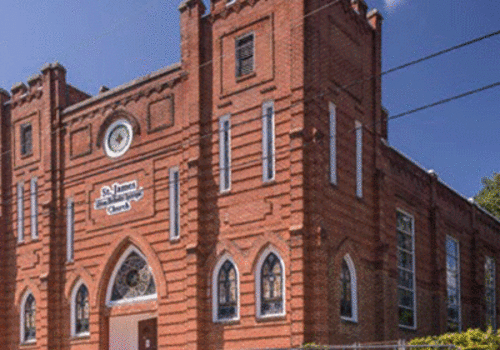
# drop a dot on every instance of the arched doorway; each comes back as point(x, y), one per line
point(131, 297)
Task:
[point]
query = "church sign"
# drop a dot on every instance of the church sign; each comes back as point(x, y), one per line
point(116, 198)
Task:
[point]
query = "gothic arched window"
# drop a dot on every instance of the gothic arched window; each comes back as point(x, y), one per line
point(81, 311)
point(271, 286)
point(227, 292)
point(132, 280)
point(345, 291)
point(28, 320)
point(348, 292)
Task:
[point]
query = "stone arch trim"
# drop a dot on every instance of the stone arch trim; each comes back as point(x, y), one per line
point(268, 241)
point(76, 277)
point(21, 293)
point(226, 248)
point(112, 117)
point(118, 247)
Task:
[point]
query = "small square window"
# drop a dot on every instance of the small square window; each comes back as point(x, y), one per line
point(244, 55)
point(26, 139)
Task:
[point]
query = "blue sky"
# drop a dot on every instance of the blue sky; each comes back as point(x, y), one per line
point(110, 42)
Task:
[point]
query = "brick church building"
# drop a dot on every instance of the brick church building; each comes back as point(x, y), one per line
point(245, 197)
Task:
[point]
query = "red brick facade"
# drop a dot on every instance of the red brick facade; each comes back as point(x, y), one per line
point(307, 54)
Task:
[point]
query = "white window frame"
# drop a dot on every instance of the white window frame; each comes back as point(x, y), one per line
point(354, 289)
point(34, 207)
point(459, 286)
point(23, 308)
point(268, 139)
point(359, 159)
point(73, 310)
point(414, 281)
point(109, 290)
point(174, 199)
point(258, 283)
point(70, 230)
point(492, 287)
point(225, 164)
point(333, 142)
point(20, 211)
point(215, 291)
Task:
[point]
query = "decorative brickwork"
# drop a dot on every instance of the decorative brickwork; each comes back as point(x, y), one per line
point(137, 156)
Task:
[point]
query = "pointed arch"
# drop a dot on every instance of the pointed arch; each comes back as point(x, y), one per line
point(348, 290)
point(80, 310)
point(270, 284)
point(27, 317)
point(225, 290)
point(118, 248)
point(132, 279)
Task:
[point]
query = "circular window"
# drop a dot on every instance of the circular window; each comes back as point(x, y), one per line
point(118, 138)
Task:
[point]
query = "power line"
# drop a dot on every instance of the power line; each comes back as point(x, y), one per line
point(442, 52)
point(355, 82)
point(446, 100)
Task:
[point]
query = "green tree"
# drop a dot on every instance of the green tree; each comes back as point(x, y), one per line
point(489, 196)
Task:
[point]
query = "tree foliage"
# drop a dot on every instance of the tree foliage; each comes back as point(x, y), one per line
point(472, 339)
point(489, 196)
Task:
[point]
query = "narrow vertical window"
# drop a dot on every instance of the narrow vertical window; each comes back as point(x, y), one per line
point(28, 320)
point(453, 285)
point(20, 211)
point(80, 312)
point(348, 290)
point(174, 203)
point(406, 270)
point(70, 230)
point(227, 289)
point(26, 139)
point(244, 55)
point(359, 159)
point(345, 291)
point(225, 153)
point(489, 291)
point(271, 286)
point(268, 157)
point(333, 144)
point(34, 207)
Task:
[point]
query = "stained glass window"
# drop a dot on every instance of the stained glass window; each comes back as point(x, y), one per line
point(271, 286)
point(227, 291)
point(82, 310)
point(345, 291)
point(29, 319)
point(133, 280)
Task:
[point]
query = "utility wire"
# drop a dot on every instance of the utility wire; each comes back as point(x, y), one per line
point(238, 166)
point(371, 77)
point(446, 100)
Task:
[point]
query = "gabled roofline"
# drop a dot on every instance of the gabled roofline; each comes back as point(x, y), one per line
point(121, 88)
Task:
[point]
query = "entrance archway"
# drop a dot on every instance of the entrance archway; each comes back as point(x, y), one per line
point(131, 297)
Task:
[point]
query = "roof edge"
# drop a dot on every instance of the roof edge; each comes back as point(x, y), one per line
point(428, 172)
point(112, 92)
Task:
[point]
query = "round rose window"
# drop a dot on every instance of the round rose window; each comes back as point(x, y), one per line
point(118, 138)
